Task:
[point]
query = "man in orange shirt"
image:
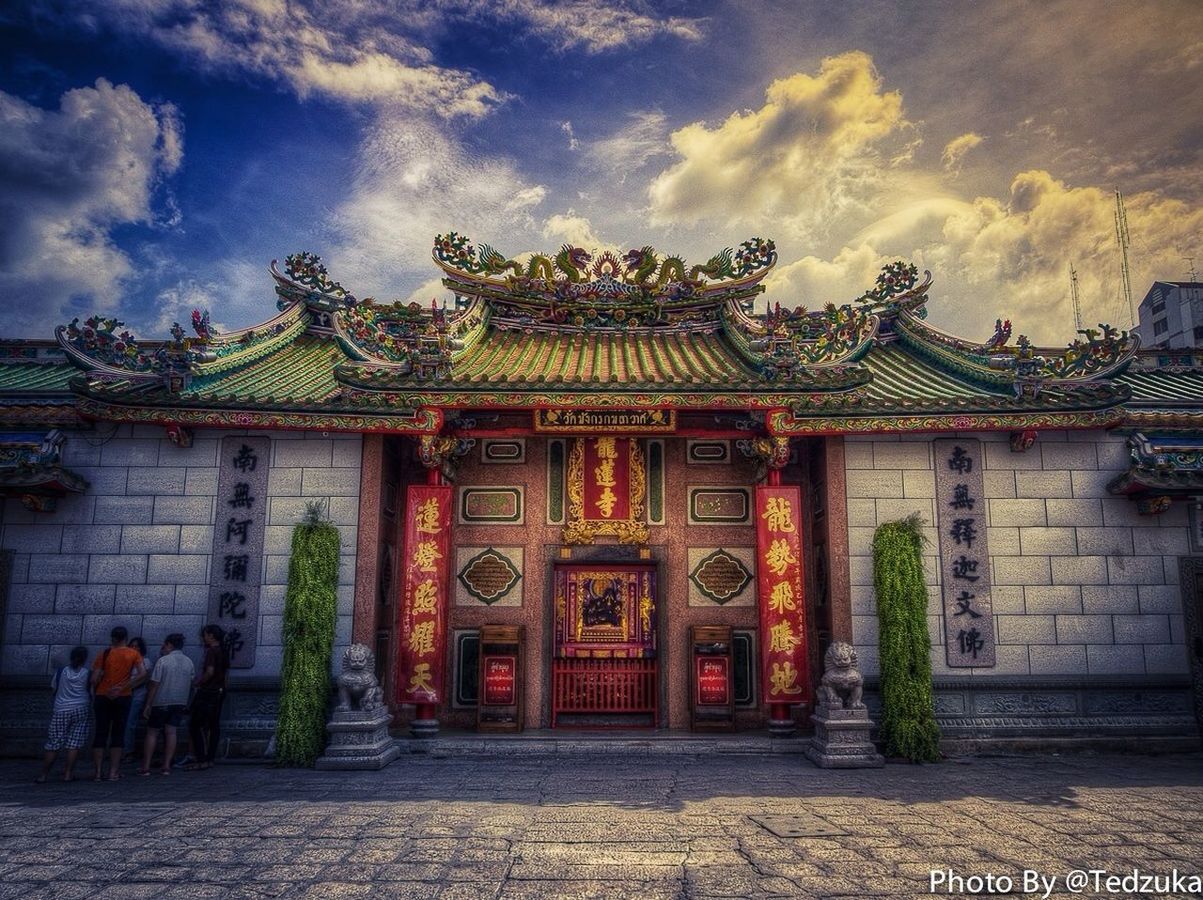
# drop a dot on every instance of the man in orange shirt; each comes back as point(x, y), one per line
point(112, 674)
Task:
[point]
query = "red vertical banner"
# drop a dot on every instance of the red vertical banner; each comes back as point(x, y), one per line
point(607, 478)
point(424, 594)
point(785, 672)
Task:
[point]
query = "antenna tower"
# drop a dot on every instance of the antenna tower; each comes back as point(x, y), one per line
point(1073, 291)
point(1194, 276)
point(1124, 241)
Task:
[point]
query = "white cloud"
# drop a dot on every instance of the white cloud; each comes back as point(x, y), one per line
point(354, 52)
point(813, 151)
point(955, 150)
point(1008, 257)
point(573, 143)
point(413, 182)
point(569, 228)
point(67, 178)
point(593, 27)
point(641, 138)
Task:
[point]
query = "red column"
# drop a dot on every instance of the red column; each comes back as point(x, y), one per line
point(785, 673)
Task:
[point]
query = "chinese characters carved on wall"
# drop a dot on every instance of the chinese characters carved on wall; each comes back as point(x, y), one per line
point(235, 575)
point(964, 555)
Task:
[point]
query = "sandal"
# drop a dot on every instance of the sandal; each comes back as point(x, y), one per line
point(41, 779)
point(144, 771)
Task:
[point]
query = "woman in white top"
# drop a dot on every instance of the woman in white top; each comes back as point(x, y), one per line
point(72, 717)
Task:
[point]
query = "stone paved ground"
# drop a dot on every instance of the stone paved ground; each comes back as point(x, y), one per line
point(594, 826)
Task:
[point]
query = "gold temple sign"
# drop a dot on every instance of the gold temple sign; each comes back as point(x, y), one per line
point(631, 421)
point(606, 487)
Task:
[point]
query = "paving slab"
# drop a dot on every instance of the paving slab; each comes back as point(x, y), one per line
point(606, 824)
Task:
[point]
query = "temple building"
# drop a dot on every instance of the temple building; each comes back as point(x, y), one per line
point(599, 490)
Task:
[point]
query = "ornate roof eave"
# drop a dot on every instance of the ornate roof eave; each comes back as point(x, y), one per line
point(231, 349)
point(399, 420)
point(783, 423)
point(1022, 368)
point(575, 276)
point(31, 468)
point(371, 378)
point(1079, 398)
point(57, 413)
point(399, 336)
point(1163, 467)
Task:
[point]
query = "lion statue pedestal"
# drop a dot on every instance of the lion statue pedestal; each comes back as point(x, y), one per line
point(842, 723)
point(359, 737)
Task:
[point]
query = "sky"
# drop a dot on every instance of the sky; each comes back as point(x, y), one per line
point(156, 155)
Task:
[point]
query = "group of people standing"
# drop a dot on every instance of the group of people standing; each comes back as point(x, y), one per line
point(120, 690)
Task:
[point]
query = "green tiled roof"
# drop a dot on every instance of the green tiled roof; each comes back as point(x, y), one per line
point(1152, 386)
point(36, 377)
point(602, 357)
point(300, 373)
point(898, 374)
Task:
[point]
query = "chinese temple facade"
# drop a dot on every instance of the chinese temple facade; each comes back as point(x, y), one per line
point(561, 495)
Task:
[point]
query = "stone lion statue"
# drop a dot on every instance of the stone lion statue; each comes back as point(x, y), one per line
point(358, 689)
point(842, 685)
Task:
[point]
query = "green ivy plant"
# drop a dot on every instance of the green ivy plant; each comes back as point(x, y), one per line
point(310, 604)
point(908, 722)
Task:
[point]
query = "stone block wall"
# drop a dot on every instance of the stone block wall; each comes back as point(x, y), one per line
point(1082, 584)
point(134, 550)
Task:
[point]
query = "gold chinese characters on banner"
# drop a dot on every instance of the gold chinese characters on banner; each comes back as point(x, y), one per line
point(785, 670)
point(424, 594)
point(606, 484)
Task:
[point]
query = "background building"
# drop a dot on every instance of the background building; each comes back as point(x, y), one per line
point(1171, 315)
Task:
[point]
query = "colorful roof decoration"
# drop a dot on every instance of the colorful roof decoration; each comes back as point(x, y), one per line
point(593, 330)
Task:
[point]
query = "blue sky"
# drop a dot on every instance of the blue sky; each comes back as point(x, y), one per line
point(157, 154)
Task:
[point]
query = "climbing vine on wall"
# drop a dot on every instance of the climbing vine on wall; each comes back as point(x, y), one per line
point(908, 723)
point(309, 619)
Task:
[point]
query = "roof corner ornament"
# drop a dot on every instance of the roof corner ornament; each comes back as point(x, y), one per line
point(305, 280)
point(179, 435)
point(1022, 441)
point(770, 452)
point(32, 470)
point(1153, 504)
point(441, 452)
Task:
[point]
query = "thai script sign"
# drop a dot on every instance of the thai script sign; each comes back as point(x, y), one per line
point(424, 593)
point(639, 421)
point(235, 574)
point(501, 680)
point(714, 680)
point(964, 554)
point(785, 671)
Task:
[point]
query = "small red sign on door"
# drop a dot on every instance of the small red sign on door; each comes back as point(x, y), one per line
point(501, 679)
point(714, 684)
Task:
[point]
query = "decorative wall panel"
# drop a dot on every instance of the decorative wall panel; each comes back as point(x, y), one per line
point(655, 482)
point(508, 450)
point(719, 505)
point(488, 576)
point(723, 576)
point(707, 453)
point(491, 505)
point(556, 460)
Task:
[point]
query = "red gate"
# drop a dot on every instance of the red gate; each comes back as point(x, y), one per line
point(604, 686)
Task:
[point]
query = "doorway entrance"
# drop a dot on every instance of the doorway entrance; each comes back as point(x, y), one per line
point(604, 667)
